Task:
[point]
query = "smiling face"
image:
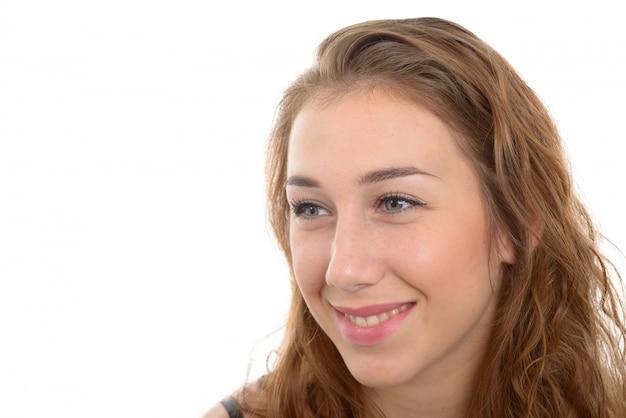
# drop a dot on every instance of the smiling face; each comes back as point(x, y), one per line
point(390, 241)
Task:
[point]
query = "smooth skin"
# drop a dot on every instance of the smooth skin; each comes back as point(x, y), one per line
point(218, 411)
point(387, 210)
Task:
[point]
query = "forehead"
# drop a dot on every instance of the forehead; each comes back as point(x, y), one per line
point(368, 129)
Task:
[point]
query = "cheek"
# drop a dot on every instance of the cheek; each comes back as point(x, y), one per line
point(447, 256)
point(309, 263)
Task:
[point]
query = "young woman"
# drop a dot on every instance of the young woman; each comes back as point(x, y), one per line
point(442, 265)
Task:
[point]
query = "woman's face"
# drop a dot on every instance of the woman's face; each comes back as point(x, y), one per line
point(390, 240)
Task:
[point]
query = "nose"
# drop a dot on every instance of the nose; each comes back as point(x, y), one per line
point(355, 260)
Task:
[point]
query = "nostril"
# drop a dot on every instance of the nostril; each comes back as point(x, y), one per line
point(351, 270)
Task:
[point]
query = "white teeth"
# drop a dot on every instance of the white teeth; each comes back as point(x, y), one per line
point(374, 320)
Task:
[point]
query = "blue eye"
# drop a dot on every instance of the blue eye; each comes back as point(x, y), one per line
point(307, 210)
point(396, 203)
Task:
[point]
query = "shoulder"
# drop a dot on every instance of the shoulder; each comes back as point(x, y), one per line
point(227, 408)
point(218, 411)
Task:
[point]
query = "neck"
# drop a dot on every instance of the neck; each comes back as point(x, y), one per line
point(447, 397)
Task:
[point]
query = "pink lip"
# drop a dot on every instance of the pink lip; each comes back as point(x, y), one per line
point(368, 336)
point(369, 310)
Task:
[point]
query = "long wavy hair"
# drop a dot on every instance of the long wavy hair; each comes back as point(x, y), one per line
point(557, 344)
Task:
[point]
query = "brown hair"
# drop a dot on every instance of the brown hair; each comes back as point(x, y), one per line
point(557, 345)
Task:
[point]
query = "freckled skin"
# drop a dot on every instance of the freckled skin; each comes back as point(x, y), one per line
point(352, 250)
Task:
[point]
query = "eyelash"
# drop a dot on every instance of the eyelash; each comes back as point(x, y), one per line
point(399, 198)
point(299, 206)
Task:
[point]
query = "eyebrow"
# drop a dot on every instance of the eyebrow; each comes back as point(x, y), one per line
point(302, 181)
point(377, 176)
point(370, 177)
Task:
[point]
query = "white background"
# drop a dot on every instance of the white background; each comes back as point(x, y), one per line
point(137, 273)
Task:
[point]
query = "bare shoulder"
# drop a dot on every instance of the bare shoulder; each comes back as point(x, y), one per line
point(251, 392)
point(218, 411)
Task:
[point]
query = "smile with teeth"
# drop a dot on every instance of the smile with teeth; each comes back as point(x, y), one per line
point(373, 320)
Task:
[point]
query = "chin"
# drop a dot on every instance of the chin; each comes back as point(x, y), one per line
point(378, 380)
point(372, 375)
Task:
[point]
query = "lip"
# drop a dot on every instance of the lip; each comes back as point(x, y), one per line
point(372, 334)
point(370, 310)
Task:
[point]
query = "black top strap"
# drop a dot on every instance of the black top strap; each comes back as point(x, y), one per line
point(231, 407)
